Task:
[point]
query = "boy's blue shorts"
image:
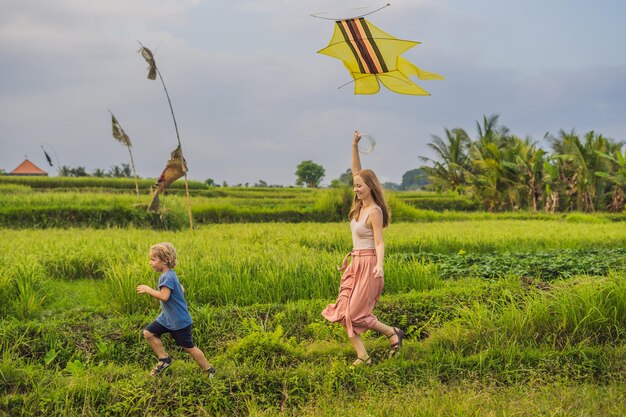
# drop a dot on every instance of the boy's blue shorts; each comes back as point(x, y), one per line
point(181, 336)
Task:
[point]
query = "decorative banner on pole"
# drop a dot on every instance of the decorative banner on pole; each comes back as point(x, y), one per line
point(153, 71)
point(147, 55)
point(118, 132)
point(47, 156)
point(122, 137)
point(175, 168)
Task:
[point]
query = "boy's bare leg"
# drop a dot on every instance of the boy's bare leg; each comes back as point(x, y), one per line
point(199, 357)
point(156, 344)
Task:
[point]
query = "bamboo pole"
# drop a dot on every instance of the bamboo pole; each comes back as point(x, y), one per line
point(181, 147)
point(132, 162)
point(177, 137)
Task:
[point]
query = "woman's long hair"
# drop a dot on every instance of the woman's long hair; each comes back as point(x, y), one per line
point(369, 178)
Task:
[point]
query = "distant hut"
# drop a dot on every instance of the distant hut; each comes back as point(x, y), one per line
point(27, 168)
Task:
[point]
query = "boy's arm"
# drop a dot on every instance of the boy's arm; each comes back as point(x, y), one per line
point(163, 294)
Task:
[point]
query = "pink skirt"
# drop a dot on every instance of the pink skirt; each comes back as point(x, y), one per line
point(359, 292)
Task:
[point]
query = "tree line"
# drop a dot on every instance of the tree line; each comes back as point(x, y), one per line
point(505, 172)
point(311, 174)
point(115, 171)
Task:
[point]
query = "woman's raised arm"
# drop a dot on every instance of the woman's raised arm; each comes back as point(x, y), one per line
point(356, 159)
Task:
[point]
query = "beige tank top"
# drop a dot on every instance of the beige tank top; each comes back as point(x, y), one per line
point(363, 236)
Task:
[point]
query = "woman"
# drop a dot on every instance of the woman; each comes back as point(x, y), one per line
point(363, 280)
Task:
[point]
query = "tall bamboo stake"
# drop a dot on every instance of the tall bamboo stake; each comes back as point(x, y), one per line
point(155, 70)
point(132, 163)
point(122, 137)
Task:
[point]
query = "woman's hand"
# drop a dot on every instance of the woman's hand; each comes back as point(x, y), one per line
point(378, 272)
point(356, 138)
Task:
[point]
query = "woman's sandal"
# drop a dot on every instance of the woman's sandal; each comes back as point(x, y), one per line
point(362, 361)
point(395, 347)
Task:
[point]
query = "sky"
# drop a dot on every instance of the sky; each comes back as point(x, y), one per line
point(253, 98)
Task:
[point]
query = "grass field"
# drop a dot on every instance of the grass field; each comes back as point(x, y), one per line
point(505, 317)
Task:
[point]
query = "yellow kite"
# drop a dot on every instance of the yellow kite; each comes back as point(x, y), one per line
point(372, 55)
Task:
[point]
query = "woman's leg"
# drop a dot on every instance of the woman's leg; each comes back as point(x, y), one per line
point(388, 331)
point(394, 335)
point(359, 347)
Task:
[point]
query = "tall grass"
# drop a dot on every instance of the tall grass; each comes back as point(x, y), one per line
point(256, 263)
point(22, 288)
point(90, 182)
point(122, 279)
point(6, 189)
point(571, 312)
point(70, 323)
point(269, 363)
point(105, 207)
point(501, 236)
point(471, 399)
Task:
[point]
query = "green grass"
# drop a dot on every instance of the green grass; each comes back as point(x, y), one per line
point(128, 184)
point(281, 358)
point(265, 263)
point(103, 203)
point(472, 399)
point(477, 344)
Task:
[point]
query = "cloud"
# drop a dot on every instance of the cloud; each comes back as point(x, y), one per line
point(253, 99)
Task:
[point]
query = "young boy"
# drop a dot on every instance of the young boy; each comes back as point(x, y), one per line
point(174, 318)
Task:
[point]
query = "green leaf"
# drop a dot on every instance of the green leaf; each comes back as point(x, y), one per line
point(75, 367)
point(50, 356)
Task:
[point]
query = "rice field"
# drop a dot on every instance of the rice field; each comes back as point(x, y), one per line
point(548, 341)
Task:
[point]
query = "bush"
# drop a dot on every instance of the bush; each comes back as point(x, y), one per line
point(14, 189)
point(93, 182)
point(442, 204)
point(99, 217)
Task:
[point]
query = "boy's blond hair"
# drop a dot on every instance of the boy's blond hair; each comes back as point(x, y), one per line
point(165, 252)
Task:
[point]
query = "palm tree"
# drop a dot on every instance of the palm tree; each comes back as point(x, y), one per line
point(579, 163)
point(448, 170)
point(617, 177)
point(116, 172)
point(79, 172)
point(529, 160)
point(65, 171)
point(487, 177)
point(98, 172)
point(490, 132)
point(503, 171)
point(489, 174)
point(551, 185)
point(126, 172)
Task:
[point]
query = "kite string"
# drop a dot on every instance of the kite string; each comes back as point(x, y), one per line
point(317, 15)
point(358, 113)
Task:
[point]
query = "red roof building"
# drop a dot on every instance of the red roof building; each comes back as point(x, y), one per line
point(28, 168)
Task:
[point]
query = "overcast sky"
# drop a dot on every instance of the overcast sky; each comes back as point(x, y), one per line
point(253, 99)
